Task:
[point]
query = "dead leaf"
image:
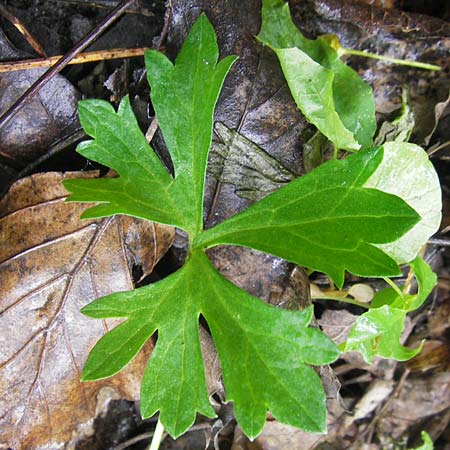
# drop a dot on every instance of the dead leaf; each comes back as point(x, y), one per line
point(238, 161)
point(435, 355)
point(439, 110)
point(419, 399)
point(277, 436)
point(51, 265)
point(50, 116)
point(336, 324)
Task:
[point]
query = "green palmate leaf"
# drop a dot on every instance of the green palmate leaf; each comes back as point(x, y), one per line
point(264, 351)
point(407, 172)
point(326, 220)
point(329, 93)
point(183, 96)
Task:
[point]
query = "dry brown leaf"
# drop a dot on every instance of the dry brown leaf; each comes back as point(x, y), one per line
point(336, 324)
point(51, 265)
point(419, 399)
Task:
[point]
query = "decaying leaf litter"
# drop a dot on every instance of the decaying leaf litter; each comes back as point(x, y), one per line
point(250, 47)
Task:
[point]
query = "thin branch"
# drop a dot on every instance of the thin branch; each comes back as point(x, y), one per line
point(108, 4)
point(23, 30)
point(48, 75)
point(98, 55)
point(56, 148)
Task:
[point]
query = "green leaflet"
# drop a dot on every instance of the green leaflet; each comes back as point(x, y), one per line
point(329, 93)
point(326, 220)
point(264, 351)
point(183, 96)
point(427, 442)
point(426, 281)
point(377, 332)
point(118, 143)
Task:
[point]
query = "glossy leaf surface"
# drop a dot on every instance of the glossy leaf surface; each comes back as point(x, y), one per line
point(329, 93)
point(378, 331)
point(264, 351)
point(326, 220)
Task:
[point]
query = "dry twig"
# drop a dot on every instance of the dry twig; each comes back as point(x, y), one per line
point(23, 30)
point(99, 55)
point(48, 75)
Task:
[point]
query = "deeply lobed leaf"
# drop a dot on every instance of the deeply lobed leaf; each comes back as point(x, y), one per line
point(184, 96)
point(264, 351)
point(326, 220)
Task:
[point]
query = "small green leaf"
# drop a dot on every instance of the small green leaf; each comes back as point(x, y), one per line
point(328, 92)
point(426, 279)
point(427, 442)
point(264, 351)
point(377, 333)
point(326, 220)
point(407, 172)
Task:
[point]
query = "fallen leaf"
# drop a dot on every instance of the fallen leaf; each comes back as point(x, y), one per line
point(51, 265)
point(419, 399)
point(251, 170)
point(50, 116)
point(337, 324)
point(277, 436)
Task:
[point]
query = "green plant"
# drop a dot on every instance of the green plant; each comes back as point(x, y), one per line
point(330, 220)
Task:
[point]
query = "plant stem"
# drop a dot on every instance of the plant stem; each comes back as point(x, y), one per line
point(342, 299)
point(157, 436)
point(401, 62)
point(393, 286)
